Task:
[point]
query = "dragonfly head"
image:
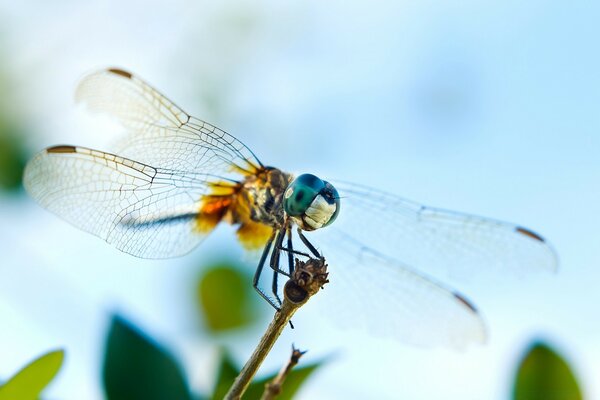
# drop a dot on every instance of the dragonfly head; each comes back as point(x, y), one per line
point(311, 202)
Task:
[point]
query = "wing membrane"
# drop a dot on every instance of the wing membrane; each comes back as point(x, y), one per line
point(161, 133)
point(146, 200)
point(145, 211)
point(439, 241)
point(388, 298)
point(379, 240)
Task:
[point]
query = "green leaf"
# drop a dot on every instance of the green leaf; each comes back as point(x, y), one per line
point(226, 298)
point(28, 383)
point(291, 385)
point(545, 375)
point(13, 149)
point(135, 367)
point(227, 372)
point(13, 155)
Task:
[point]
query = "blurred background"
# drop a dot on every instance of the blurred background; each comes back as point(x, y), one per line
point(486, 108)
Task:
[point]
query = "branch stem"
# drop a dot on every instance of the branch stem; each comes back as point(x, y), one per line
point(307, 279)
point(276, 327)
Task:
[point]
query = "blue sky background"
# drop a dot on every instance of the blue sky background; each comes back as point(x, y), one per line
point(490, 108)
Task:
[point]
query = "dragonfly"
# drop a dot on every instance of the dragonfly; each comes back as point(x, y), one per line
point(173, 178)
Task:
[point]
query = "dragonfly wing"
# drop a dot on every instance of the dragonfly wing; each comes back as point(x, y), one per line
point(144, 211)
point(161, 133)
point(147, 200)
point(377, 241)
point(370, 290)
point(439, 241)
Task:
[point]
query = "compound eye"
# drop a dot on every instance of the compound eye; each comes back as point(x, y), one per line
point(300, 194)
point(331, 195)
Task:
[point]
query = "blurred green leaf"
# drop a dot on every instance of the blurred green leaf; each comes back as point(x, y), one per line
point(13, 155)
point(226, 298)
point(28, 383)
point(13, 151)
point(137, 368)
point(226, 374)
point(545, 375)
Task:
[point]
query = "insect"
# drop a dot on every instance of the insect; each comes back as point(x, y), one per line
point(174, 177)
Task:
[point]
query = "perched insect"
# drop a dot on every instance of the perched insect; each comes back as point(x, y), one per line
point(175, 177)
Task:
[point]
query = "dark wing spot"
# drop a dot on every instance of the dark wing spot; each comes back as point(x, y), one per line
point(299, 195)
point(61, 149)
point(466, 302)
point(529, 233)
point(121, 72)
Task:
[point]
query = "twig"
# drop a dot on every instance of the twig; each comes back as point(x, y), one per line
point(307, 279)
point(273, 388)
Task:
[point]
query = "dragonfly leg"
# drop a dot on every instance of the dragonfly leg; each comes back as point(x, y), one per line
point(274, 287)
point(290, 253)
point(290, 250)
point(308, 244)
point(259, 268)
point(274, 263)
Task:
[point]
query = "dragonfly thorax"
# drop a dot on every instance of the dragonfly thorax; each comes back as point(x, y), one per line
point(312, 203)
point(263, 195)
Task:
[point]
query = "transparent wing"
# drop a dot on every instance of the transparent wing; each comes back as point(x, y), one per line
point(370, 290)
point(144, 211)
point(379, 240)
point(146, 200)
point(439, 242)
point(160, 133)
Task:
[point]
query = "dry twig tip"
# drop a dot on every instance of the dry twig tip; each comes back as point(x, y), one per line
point(273, 388)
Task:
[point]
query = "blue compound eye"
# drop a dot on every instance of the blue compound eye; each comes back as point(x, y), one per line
point(300, 194)
point(311, 202)
point(330, 194)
